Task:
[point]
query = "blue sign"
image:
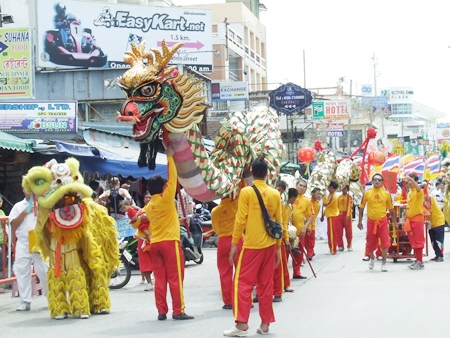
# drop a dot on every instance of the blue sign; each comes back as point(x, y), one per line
point(3, 47)
point(290, 98)
point(124, 227)
point(375, 101)
point(366, 89)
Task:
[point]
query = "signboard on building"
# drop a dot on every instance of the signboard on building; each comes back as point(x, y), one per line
point(16, 64)
point(290, 98)
point(97, 34)
point(38, 117)
point(366, 89)
point(396, 95)
point(229, 91)
point(443, 132)
point(331, 110)
point(332, 129)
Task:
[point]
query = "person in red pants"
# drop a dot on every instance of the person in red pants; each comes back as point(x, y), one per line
point(415, 222)
point(334, 227)
point(345, 204)
point(310, 237)
point(302, 217)
point(222, 219)
point(281, 279)
point(260, 253)
point(165, 247)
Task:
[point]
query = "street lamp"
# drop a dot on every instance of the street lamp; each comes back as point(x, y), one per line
point(5, 18)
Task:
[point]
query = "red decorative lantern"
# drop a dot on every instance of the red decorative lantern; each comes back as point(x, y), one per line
point(376, 158)
point(306, 155)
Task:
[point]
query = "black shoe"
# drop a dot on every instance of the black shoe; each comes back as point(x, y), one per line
point(433, 259)
point(439, 259)
point(299, 277)
point(255, 299)
point(162, 317)
point(277, 299)
point(182, 316)
point(227, 307)
point(309, 258)
point(297, 251)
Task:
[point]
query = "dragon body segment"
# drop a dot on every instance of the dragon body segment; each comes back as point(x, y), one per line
point(159, 98)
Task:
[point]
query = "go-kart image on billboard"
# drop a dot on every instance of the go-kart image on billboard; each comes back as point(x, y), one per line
point(74, 34)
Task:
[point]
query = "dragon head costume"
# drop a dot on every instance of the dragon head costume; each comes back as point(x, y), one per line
point(161, 99)
point(76, 236)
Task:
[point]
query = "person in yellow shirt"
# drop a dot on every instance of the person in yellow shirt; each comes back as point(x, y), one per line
point(436, 228)
point(310, 237)
point(415, 222)
point(302, 217)
point(345, 204)
point(260, 253)
point(378, 201)
point(331, 211)
point(165, 248)
point(222, 218)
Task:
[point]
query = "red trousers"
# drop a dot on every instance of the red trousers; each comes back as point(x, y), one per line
point(297, 258)
point(347, 227)
point(145, 260)
point(310, 242)
point(255, 266)
point(168, 268)
point(281, 278)
point(417, 235)
point(225, 268)
point(334, 229)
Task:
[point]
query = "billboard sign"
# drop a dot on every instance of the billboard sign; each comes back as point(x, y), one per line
point(229, 91)
point(331, 110)
point(96, 35)
point(16, 64)
point(397, 95)
point(290, 98)
point(366, 89)
point(335, 129)
point(38, 117)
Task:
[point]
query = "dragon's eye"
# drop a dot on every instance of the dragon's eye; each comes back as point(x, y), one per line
point(39, 181)
point(148, 90)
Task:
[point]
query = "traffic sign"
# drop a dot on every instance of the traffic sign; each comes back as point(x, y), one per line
point(290, 98)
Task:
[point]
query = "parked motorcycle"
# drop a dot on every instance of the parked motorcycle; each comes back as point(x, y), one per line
point(193, 252)
point(121, 276)
point(209, 235)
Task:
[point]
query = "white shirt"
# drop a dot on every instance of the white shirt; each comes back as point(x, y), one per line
point(29, 222)
point(438, 195)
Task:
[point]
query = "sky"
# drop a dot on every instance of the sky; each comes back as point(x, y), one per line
point(409, 38)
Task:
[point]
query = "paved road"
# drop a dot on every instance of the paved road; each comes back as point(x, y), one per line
point(345, 300)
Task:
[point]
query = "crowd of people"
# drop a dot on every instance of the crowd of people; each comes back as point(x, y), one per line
point(252, 264)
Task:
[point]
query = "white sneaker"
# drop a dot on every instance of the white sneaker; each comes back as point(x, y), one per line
point(24, 306)
point(234, 332)
point(149, 287)
point(384, 268)
point(349, 249)
point(371, 264)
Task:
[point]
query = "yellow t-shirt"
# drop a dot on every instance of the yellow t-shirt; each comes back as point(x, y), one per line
point(345, 204)
point(301, 210)
point(316, 208)
point(415, 203)
point(162, 212)
point(332, 209)
point(223, 217)
point(249, 216)
point(378, 201)
point(437, 217)
point(286, 214)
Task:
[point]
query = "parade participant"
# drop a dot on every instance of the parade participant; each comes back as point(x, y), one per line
point(378, 200)
point(310, 237)
point(436, 226)
point(331, 211)
point(165, 248)
point(222, 219)
point(22, 219)
point(414, 222)
point(260, 253)
point(302, 217)
point(345, 204)
point(281, 280)
point(139, 221)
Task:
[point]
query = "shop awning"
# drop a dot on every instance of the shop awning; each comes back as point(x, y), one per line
point(8, 141)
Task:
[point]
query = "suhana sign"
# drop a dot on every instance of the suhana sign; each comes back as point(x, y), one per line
point(16, 65)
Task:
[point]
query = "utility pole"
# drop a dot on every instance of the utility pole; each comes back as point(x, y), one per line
point(349, 129)
point(374, 59)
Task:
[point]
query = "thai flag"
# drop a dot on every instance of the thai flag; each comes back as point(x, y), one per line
point(433, 164)
point(416, 166)
point(391, 164)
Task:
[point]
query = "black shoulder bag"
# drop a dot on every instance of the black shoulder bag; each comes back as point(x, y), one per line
point(273, 228)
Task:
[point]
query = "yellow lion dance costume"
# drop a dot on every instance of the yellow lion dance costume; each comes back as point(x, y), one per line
point(76, 236)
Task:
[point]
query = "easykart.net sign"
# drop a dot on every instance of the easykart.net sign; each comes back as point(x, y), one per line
point(16, 64)
point(97, 35)
point(38, 117)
